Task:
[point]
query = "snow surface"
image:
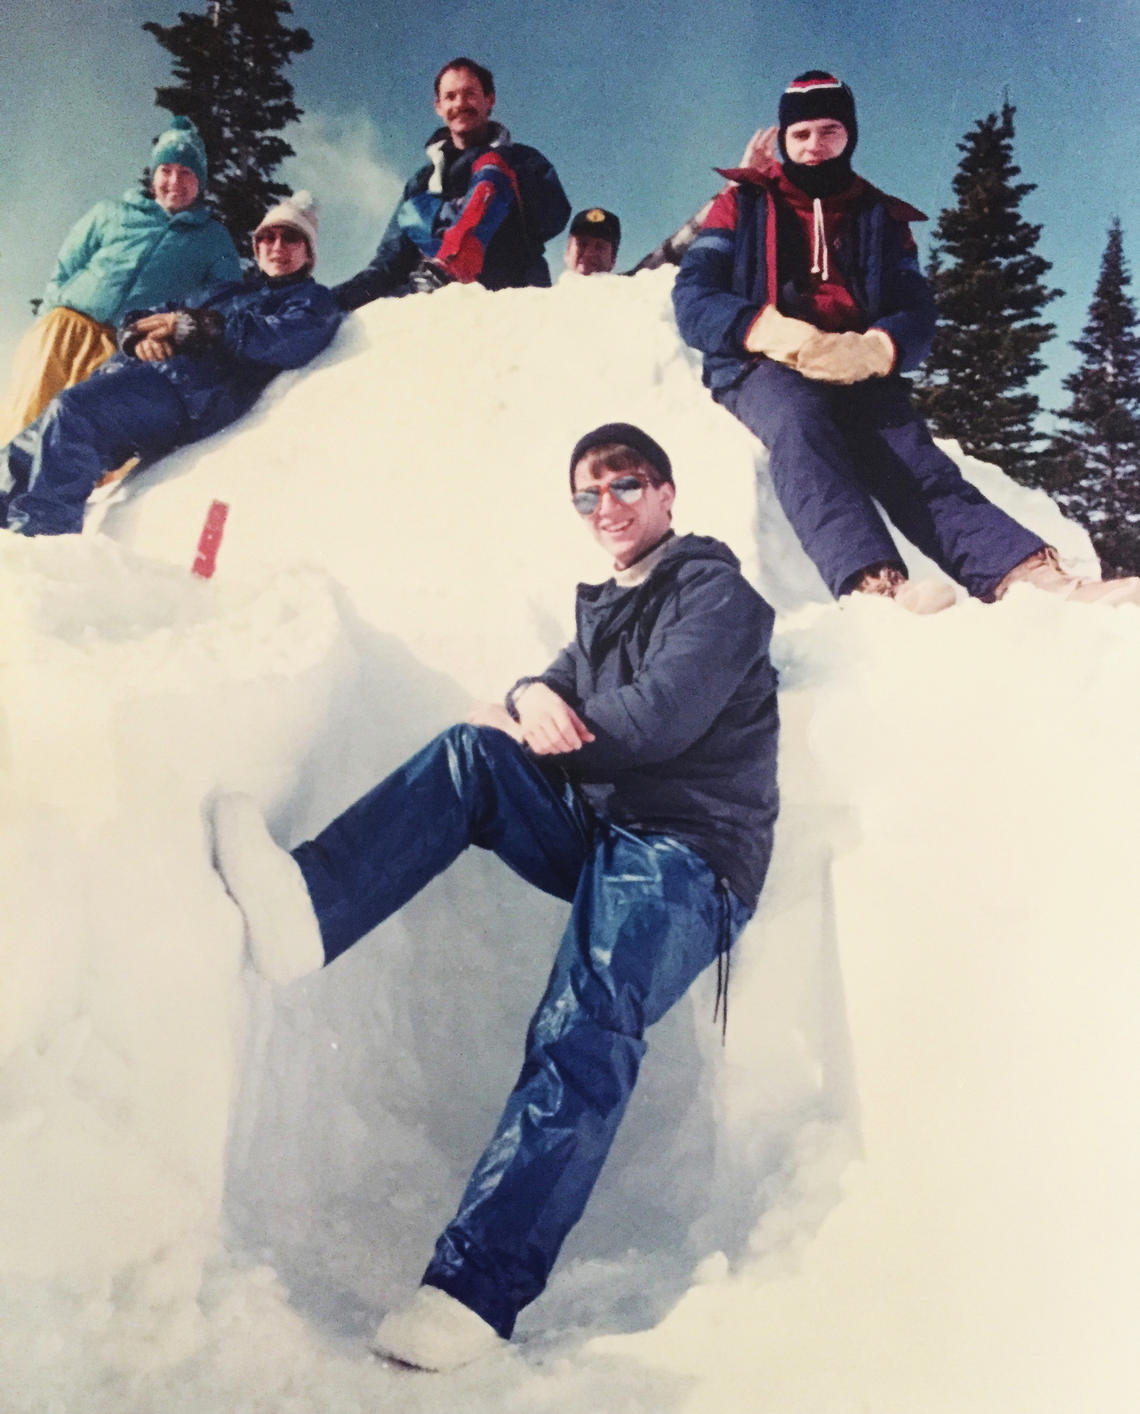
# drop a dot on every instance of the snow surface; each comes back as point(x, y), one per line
point(906, 1184)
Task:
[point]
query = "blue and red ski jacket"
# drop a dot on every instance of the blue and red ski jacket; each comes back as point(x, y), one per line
point(741, 262)
point(484, 213)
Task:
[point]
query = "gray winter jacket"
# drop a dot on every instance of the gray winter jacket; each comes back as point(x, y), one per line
point(673, 678)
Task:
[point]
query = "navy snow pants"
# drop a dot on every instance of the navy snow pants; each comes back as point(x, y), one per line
point(833, 447)
point(648, 917)
point(50, 468)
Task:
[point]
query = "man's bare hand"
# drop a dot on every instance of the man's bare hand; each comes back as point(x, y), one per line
point(157, 340)
point(549, 725)
point(761, 149)
point(152, 350)
point(494, 714)
point(161, 326)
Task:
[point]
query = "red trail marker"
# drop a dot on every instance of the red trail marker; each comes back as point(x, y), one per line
point(210, 539)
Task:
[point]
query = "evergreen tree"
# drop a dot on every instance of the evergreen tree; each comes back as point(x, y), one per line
point(986, 277)
point(1097, 461)
point(228, 63)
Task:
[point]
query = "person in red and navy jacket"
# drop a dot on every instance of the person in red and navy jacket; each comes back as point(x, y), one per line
point(481, 210)
point(804, 293)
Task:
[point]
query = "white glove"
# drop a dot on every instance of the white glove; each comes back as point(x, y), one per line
point(845, 358)
point(776, 336)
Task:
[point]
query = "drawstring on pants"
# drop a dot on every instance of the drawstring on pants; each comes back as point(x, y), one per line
point(723, 959)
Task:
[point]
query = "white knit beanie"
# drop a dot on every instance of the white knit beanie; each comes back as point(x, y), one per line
point(299, 213)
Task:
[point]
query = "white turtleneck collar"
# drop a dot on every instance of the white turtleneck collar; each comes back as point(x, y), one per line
point(641, 569)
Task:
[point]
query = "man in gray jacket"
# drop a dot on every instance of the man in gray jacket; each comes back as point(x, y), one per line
point(635, 778)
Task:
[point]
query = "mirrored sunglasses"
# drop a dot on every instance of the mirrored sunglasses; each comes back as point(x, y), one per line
point(626, 489)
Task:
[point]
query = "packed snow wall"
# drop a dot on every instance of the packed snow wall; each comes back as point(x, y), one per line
point(399, 543)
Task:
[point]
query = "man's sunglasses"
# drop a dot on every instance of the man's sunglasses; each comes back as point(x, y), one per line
point(626, 489)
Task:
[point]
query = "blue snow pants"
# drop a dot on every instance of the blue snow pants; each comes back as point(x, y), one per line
point(648, 917)
point(50, 468)
point(833, 447)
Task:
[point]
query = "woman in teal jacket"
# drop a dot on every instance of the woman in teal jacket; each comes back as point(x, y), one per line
point(134, 253)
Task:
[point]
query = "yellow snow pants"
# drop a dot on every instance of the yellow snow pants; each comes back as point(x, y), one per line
point(59, 350)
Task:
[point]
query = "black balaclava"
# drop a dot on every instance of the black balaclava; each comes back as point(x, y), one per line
point(818, 94)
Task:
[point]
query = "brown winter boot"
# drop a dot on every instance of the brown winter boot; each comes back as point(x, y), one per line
point(927, 597)
point(1043, 570)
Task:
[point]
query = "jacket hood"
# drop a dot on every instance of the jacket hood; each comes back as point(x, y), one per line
point(698, 547)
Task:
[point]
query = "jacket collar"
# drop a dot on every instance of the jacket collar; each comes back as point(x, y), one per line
point(283, 282)
point(607, 609)
point(799, 200)
point(640, 570)
point(196, 215)
point(770, 179)
point(673, 548)
point(441, 151)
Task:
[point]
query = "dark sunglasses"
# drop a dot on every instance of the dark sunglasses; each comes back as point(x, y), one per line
point(285, 234)
point(626, 489)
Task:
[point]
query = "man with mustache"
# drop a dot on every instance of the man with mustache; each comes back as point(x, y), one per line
point(480, 211)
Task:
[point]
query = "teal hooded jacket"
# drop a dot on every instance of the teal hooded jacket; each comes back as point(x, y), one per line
point(131, 254)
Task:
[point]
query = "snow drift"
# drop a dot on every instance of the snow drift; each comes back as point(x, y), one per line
point(905, 1183)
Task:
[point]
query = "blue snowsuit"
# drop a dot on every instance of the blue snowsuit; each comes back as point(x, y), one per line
point(132, 408)
point(833, 447)
point(520, 205)
point(659, 833)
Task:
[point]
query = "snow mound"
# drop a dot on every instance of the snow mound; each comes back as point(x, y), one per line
point(905, 1182)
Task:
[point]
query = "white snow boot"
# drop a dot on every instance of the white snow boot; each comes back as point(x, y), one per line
point(435, 1332)
point(1043, 570)
point(265, 882)
point(928, 596)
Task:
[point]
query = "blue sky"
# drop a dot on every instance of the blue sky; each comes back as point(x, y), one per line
point(633, 101)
